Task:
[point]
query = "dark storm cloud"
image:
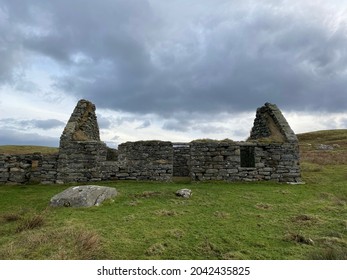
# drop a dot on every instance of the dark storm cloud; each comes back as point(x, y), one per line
point(9, 47)
point(46, 124)
point(188, 123)
point(145, 124)
point(197, 56)
point(103, 122)
point(177, 125)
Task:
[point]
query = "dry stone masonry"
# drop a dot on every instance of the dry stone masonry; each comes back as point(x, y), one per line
point(270, 153)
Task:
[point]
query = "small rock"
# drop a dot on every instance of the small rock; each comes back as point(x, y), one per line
point(302, 239)
point(186, 193)
point(325, 147)
point(296, 183)
point(83, 196)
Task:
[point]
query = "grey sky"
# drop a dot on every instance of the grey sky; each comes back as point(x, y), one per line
point(178, 59)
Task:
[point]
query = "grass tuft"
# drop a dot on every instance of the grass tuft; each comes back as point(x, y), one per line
point(221, 214)
point(148, 194)
point(32, 222)
point(304, 219)
point(11, 217)
point(263, 206)
point(330, 253)
point(299, 238)
point(87, 244)
point(156, 249)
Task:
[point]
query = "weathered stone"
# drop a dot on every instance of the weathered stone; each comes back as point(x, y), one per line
point(185, 193)
point(271, 154)
point(83, 196)
point(325, 147)
point(181, 159)
point(270, 123)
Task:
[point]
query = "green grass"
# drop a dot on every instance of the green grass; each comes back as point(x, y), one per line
point(264, 220)
point(311, 155)
point(18, 149)
point(147, 221)
point(335, 136)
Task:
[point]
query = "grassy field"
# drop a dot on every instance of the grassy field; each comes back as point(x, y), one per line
point(19, 149)
point(264, 220)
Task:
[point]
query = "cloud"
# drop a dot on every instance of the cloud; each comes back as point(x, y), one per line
point(145, 124)
point(26, 86)
point(177, 125)
point(29, 124)
point(14, 132)
point(46, 124)
point(12, 137)
point(344, 123)
point(104, 122)
point(170, 58)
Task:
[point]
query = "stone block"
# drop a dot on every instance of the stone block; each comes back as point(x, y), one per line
point(83, 196)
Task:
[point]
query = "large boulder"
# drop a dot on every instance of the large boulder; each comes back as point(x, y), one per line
point(83, 196)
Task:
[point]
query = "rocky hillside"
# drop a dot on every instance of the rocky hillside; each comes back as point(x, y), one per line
point(324, 147)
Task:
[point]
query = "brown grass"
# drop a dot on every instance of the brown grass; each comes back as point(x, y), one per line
point(299, 238)
point(64, 243)
point(324, 157)
point(263, 206)
point(18, 149)
point(304, 219)
point(276, 135)
point(148, 194)
point(87, 244)
point(11, 217)
point(310, 141)
point(156, 249)
point(329, 253)
point(221, 215)
point(30, 223)
point(164, 212)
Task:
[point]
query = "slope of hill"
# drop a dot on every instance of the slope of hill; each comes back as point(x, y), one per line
point(14, 149)
point(324, 147)
point(328, 137)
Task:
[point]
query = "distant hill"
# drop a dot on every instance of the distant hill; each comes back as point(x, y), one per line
point(16, 149)
point(327, 137)
point(324, 147)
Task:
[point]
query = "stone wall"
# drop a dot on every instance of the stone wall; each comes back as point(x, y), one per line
point(81, 153)
point(145, 160)
point(81, 161)
point(28, 168)
point(271, 124)
point(82, 125)
point(271, 153)
point(46, 172)
point(222, 160)
point(156, 160)
point(181, 159)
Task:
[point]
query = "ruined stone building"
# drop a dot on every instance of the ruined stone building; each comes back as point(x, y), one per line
point(270, 153)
